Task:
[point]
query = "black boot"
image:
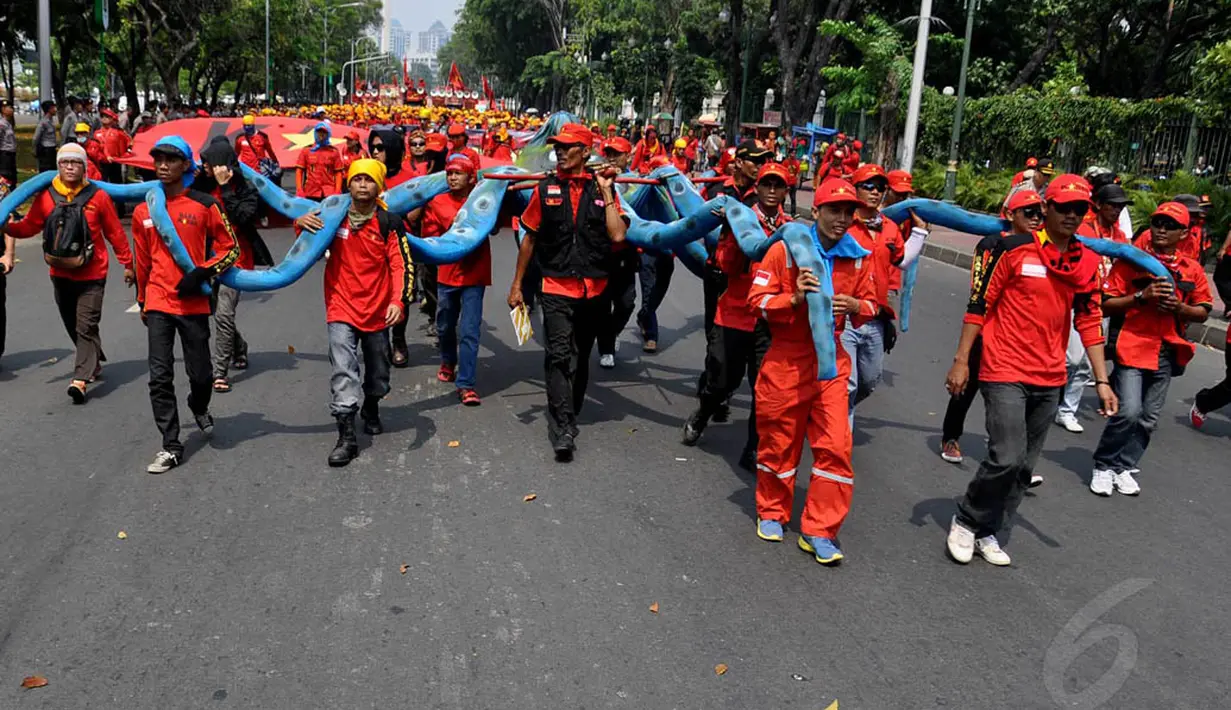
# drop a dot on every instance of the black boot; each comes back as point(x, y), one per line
point(693, 428)
point(370, 414)
point(347, 448)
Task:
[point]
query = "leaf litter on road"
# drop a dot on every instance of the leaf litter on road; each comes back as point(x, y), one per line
point(122, 535)
point(654, 608)
point(454, 444)
point(720, 669)
point(33, 681)
point(403, 568)
point(529, 497)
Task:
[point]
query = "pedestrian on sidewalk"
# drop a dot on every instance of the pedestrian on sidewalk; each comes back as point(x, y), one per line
point(8, 145)
point(76, 220)
point(8, 259)
point(735, 346)
point(1026, 214)
point(621, 292)
point(45, 140)
point(221, 178)
point(572, 221)
point(367, 279)
point(460, 286)
point(1022, 303)
point(171, 301)
point(791, 402)
point(1151, 348)
point(71, 119)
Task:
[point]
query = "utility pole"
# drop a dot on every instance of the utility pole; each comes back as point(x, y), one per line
point(268, 85)
point(46, 93)
point(916, 86)
point(956, 141)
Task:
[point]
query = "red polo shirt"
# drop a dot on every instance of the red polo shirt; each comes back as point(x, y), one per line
point(1146, 329)
point(475, 269)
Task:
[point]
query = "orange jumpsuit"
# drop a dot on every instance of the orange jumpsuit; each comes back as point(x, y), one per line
point(792, 403)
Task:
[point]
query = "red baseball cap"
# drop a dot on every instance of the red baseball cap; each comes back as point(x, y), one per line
point(202, 113)
point(573, 134)
point(1032, 162)
point(436, 142)
point(461, 163)
point(352, 135)
point(457, 130)
point(611, 128)
point(1175, 211)
point(777, 170)
point(1067, 188)
point(867, 171)
point(659, 161)
point(108, 113)
point(900, 181)
point(841, 136)
point(1023, 198)
point(836, 191)
point(618, 144)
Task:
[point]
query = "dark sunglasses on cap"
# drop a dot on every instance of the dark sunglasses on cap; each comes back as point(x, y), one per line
point(873, 185)
point(1033, 212)
point(1164, 222)
point(1078, 208)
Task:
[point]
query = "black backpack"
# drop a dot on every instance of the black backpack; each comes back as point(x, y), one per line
point(67, 243)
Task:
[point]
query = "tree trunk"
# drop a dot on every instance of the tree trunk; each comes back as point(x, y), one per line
point(808, 90)
point(735, 68)
point(1037, 57)
point(668, 94)
point(889, 128)
point(6, 69)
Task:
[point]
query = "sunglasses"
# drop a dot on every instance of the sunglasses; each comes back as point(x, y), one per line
point(1072, 208)
point(417, 144)
point(378, 146)
point(1032, 213)
point(1165, 223)
point(871, 186)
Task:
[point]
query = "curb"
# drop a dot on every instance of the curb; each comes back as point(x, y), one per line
point(1212, 333)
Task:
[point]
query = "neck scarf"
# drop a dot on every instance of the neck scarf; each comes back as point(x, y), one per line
point(357, 219)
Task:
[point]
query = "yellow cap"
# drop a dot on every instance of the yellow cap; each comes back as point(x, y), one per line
point(249, 120)
point(681, 143)
point(424, 113)
point(81, 128)
point(370, 167)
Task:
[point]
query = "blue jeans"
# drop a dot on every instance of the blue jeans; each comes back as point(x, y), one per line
point(464, 304)
point(347, 386)
point(1142, 395)
point(655, 275)
point(866, 346)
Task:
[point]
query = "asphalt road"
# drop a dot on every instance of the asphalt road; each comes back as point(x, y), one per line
point(254, 576)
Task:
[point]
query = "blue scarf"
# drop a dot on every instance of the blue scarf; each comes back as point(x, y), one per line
point(847, 248)
point(328, 134)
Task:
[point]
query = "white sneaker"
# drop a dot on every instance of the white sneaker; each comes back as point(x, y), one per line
point(1036, 480)
point(163, 461)
point(961, 542)
point(1100, 482)
point(1126, 484)
point(606, 361)
point(989, 549)
point(1069, 422)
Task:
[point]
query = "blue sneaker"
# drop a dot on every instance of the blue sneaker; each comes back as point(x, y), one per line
point(825, 550)
point(769, 530)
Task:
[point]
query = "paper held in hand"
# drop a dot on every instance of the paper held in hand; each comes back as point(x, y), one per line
point(521, 324)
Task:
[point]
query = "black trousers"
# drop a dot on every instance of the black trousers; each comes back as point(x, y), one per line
point(81, 308)
point(621, 297)
point(1018, 419)
point(714, 283)
point(730, 356)
point(955, 413)
point(112, 172)
point(45, 156)
point(1222, 280)
point(1208, 399)
point(570, 326)
point(8, 167)
point(3, 310)
point(193, 331)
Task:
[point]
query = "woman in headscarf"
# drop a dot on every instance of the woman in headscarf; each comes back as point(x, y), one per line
point(220, 177)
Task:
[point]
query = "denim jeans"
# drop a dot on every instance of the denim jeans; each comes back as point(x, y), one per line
point(866, 346)
point(1018, 419)
point(656, 270)
point(1080, 374)
point(1142, 395)
point(346, 386)
point(459, 319)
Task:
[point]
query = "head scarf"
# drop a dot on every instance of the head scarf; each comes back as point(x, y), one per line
point(374, 169)
point(176, 144)
point(394, 149)
point(218, 152)
point(328, 134)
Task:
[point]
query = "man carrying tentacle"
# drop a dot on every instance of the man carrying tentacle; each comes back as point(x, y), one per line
point(736, 345)
point(172, 302)
point(868, 343)
point(367, 279)
point(1022, 303)
point(621, 293)
point(791, 402)
point(572, 221)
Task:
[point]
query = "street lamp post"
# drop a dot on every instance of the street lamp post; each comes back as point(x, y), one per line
point(268, 101)
point(956, 140)
point(325, 77)
point(916, 86)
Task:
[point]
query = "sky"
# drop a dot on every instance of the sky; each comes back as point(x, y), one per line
point(417, 15)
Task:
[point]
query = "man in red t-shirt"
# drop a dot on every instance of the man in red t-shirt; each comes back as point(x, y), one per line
point(571, 223)
point(320, 167)
point(1022, 302)
point(459, 142)
point(171, 301)
point(252, 145)
point(647, 148)
point(735, 346)
point(367, 279)
point(353, 150)
point(116, 144)
point(1151, 347)
point(79, 288)
point(460, 286)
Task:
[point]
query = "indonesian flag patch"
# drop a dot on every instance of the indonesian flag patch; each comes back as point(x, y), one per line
point(761, 278)
point(553, 189)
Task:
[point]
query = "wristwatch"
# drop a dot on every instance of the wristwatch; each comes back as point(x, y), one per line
point(1139, 297)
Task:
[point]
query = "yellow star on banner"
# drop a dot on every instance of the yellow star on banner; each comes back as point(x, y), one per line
point(305, 140)
point(834, 706)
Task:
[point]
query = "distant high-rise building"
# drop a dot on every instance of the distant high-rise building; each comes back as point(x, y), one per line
point(397, 39)
point(434, 38)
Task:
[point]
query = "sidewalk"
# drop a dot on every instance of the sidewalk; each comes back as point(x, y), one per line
point(957, 248)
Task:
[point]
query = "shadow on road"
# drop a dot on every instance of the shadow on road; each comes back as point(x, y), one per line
point(27, 358)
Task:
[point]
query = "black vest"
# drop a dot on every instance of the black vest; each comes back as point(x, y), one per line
point(566, 247)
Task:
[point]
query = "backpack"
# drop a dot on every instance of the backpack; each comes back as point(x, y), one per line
point(67, 243)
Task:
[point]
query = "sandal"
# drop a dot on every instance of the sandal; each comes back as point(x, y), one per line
point(221, 385)
point(240, 363)
point(470, 398)
point(400, 358)
point(446, 373)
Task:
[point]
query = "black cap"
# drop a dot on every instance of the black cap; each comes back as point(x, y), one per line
point(1111, 194)
point(750, 150)
point(1192, 202)
point(1046, 166)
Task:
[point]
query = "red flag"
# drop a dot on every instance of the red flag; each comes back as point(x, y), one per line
point(405, 74)
point(488, 93)
point(455, 78)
